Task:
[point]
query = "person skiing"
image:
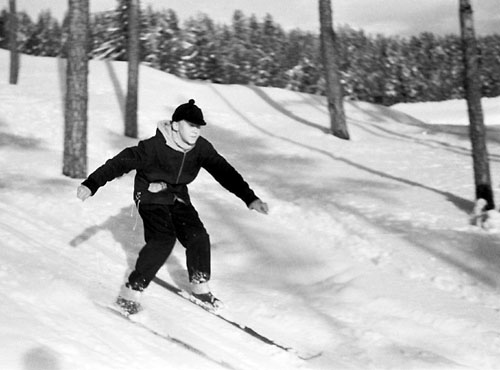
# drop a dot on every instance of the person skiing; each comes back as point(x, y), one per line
point(165, 164)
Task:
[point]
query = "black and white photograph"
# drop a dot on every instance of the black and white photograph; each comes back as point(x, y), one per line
point(250, 185)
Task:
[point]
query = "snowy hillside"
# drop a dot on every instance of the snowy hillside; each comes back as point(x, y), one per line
point(366, 256)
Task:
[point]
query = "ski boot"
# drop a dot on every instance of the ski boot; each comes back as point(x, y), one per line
point(128, 300)
point(200, 291)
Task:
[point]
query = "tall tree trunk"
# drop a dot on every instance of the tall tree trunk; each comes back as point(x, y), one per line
point(75, 115)
point(14, 54)
point(333, 85)
point(131, 129)
point(477, 129)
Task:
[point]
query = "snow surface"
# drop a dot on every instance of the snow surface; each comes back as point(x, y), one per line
point(451, 112)
point(367, 254)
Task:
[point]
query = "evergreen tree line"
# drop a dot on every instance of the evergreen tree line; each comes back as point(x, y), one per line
point(374, 68)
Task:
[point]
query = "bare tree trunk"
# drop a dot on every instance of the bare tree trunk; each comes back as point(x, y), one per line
point(473, 94)
point(75, 133)
point(333, 85)
point(14, 54)
point(131, 129)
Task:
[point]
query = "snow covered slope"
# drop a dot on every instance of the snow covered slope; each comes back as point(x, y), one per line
point(366, 255)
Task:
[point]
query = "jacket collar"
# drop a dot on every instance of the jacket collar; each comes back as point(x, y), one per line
point(172, 138)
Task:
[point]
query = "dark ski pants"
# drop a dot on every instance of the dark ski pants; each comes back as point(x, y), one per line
point(163, 224)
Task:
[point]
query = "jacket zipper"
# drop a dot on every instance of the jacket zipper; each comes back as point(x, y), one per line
point(180, 169)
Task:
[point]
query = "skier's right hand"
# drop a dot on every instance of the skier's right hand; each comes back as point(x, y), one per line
point(156, 187)
point(83, 192)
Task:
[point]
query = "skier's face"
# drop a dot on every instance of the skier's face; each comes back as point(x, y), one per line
point(189, 132)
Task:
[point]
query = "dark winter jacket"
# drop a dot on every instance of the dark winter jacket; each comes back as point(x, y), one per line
point(155, 161)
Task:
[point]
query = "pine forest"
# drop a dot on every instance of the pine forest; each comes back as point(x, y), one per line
point(374, 68)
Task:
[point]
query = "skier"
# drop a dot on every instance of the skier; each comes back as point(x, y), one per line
point(165, 164)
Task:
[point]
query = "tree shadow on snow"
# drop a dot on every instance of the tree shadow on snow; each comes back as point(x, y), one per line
point(262, 159)
point(269, 167)
point(127, 230)
point(119, 90)
point(479, 260)
point(378, 115)
point(22, 142)
point(281, 108)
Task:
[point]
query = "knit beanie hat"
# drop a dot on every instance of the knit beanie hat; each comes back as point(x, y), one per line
point(190, 113)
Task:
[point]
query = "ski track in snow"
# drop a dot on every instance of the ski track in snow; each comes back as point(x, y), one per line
point(366, 255)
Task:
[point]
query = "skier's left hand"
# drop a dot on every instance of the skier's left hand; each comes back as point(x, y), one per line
point(83, 192)
point(259, 206)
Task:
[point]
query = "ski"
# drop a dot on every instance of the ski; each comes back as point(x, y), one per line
point(169, 338)
point(185, 295)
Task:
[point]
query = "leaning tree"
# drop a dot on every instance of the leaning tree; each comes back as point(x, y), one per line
point(477, 128)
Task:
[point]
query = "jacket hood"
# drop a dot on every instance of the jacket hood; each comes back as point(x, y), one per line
point(173, 138)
